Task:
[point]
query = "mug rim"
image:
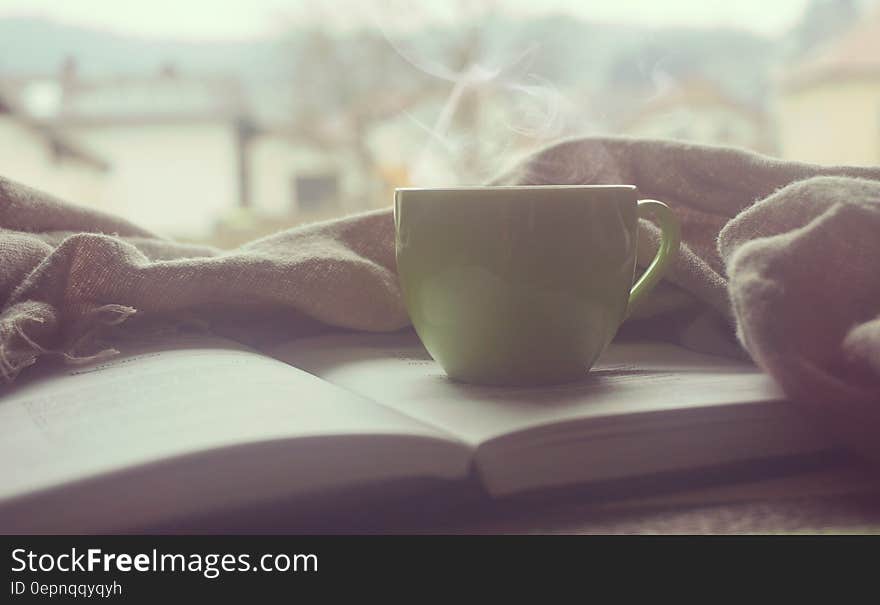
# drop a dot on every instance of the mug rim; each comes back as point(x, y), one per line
point(474, 188)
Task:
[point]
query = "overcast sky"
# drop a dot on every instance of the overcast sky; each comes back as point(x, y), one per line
point(207, 19)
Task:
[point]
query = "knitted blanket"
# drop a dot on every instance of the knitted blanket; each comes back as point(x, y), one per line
point(782, 254)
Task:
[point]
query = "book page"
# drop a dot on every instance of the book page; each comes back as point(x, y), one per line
point(644, 408)
point(168, 401)
point(632, 383)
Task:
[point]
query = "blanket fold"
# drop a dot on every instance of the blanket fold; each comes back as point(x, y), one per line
point(781, 254)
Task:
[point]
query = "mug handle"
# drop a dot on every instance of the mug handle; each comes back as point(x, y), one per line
point(670, 239)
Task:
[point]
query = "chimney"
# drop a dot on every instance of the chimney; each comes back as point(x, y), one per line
point(69, 71)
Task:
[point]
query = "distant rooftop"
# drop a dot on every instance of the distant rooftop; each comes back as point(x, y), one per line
point(854, 54)
point(59, 145)
point(693, 94)
point(167, 96)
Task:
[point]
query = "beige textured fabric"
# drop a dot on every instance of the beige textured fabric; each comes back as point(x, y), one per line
point(787, 252)
point(66, 271)
point(784, 252)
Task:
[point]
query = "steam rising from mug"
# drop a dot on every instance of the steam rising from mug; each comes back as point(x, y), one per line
point(526, 108)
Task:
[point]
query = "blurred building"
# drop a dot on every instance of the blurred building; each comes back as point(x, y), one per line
point(183, 154)
point(829, 103)
point(287, 175)
point(38, 155)
point(698, 110)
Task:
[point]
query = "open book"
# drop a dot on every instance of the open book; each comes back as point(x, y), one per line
point(205, 424)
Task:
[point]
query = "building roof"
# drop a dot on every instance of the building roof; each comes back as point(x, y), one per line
point(855, 54)
point(160, 98)
point(64, 147)
point(164, 97)
point(59, 145)
point(692, 94)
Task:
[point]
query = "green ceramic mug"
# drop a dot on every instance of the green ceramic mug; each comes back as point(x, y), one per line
point(523, 285)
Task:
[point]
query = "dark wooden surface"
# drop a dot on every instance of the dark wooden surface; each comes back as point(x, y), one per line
point(838, 495)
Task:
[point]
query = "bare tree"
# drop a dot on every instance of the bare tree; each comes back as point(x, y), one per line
point(348, 84)
point(345, 86)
